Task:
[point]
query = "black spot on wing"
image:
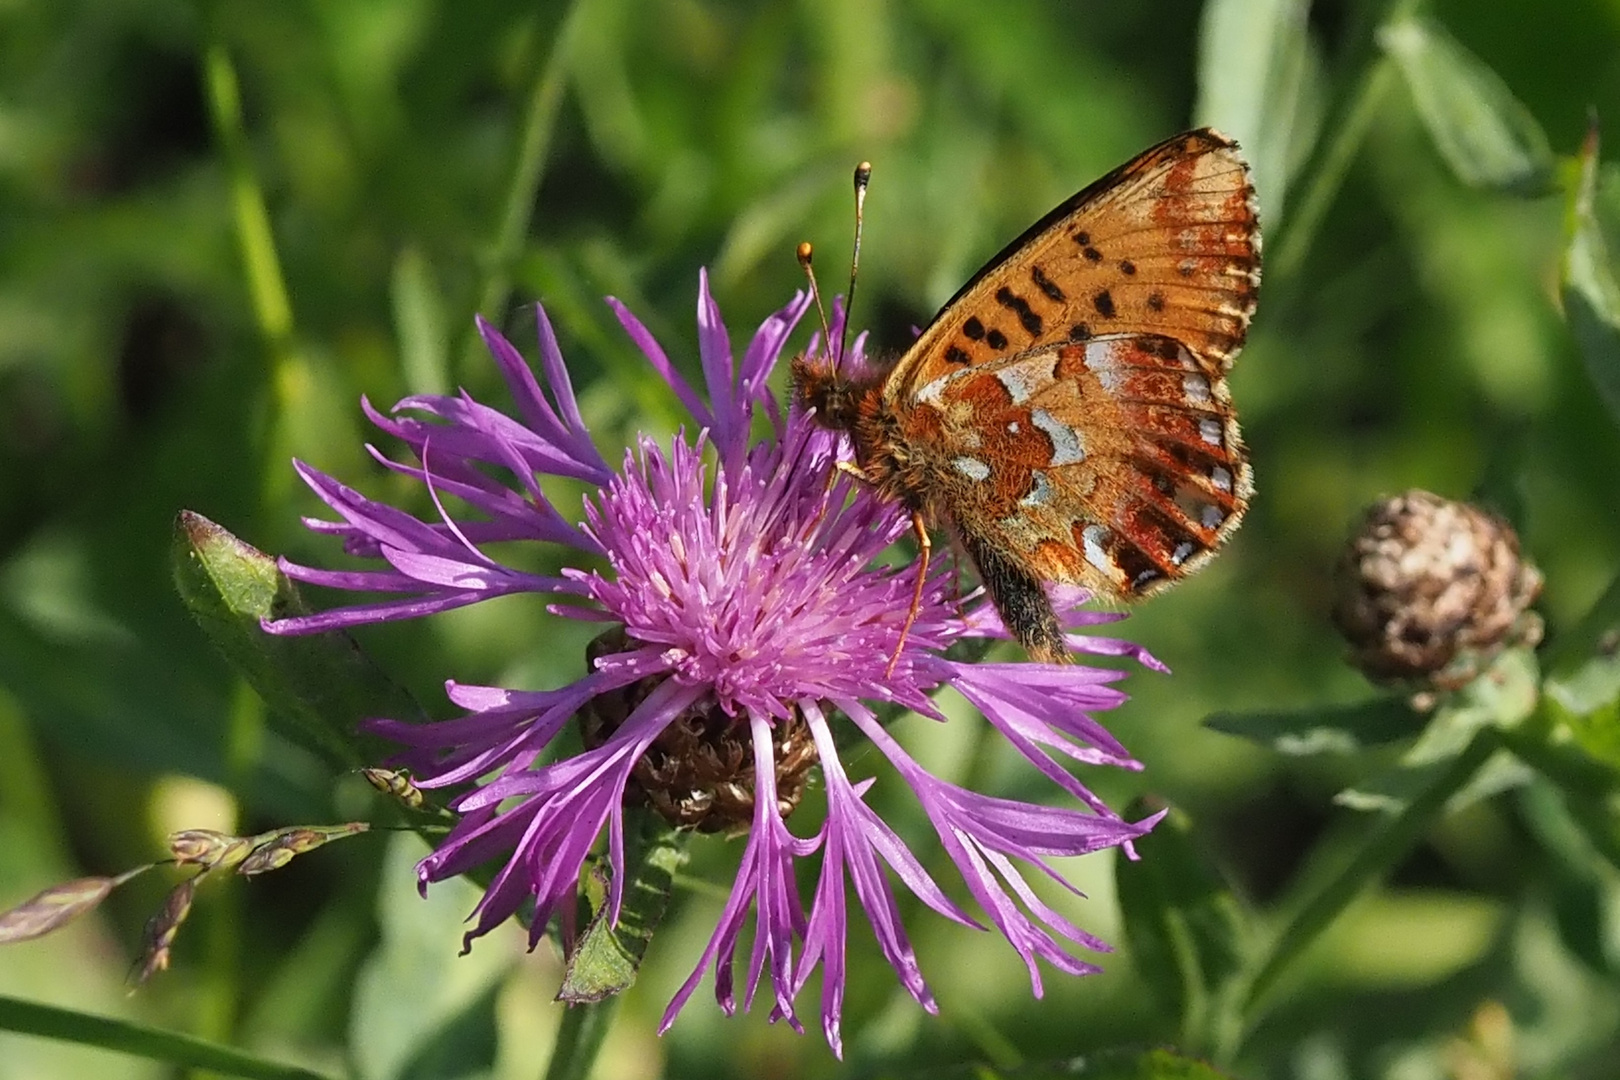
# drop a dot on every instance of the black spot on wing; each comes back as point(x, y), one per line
point(1046, 285)
point(1020, 307)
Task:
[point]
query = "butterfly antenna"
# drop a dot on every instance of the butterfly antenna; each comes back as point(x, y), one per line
point(863, 177)
point(805, 253)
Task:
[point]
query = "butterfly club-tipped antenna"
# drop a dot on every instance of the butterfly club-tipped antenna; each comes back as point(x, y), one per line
point(806, 254)
point(863, 177)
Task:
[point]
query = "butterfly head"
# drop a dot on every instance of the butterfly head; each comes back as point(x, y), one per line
point(836, 398)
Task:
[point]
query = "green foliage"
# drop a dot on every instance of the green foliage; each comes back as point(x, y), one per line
point(1486, 135)
point(1187, 931)
point(223, 224)
point(610, 950)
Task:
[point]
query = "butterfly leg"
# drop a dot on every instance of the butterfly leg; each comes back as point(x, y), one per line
point(925, 548)
point(842, 468)
point(1020, 598)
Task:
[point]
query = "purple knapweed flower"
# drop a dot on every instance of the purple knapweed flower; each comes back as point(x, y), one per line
point(748, 620)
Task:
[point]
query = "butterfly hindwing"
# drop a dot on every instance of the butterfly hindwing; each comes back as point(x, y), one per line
point(1114, 464)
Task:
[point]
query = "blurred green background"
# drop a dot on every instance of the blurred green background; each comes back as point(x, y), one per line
point(421, 159)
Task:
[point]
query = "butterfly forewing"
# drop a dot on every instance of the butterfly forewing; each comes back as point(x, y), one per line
point(1167, 243)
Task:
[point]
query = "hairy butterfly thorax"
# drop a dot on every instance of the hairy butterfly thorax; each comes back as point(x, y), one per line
point(1066, 414)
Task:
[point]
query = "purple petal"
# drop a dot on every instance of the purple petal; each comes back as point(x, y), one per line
point(654, 353)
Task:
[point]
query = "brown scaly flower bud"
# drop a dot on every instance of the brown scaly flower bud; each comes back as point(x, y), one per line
point(1431, 590)
point(699, 772)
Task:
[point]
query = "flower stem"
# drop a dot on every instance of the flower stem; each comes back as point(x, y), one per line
point(584, 1027)
point(1380, 849)
point(539, 122)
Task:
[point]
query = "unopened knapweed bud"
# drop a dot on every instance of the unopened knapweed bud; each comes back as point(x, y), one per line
point(1430, 590)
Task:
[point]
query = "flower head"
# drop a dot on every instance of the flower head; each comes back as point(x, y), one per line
point(749, 619)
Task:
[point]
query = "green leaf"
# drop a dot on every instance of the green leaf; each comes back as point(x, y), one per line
point(1254, 68)
point(605, 959)
point(1583, 887)
point(1325, 729)
point(318, 687)
point(416, 997)
point(83, 1029)
point(1590, 294)
point(1597, 631)
point(1587, 704)
point(1187, 932)
point(1393, 790)
point(1502, 697)
point(1485, 134)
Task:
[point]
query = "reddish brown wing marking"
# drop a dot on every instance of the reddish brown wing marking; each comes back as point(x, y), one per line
point(1114, 464)
point(1167, 244)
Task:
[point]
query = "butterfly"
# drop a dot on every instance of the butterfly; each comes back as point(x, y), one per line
point(1066, 413)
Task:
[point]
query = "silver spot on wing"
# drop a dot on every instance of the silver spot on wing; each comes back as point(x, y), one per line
point(1041, 493)
point(1067, 448)
point(1092, 539)
point(972, 468)
point(1026, 378)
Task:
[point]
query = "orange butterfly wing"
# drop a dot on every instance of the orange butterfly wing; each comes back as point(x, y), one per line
point(1072, 394)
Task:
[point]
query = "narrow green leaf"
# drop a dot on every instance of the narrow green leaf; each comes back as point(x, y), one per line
point(83, 1029)
point(318, 687)
point(1485, 134)
point(1187, 931)
point(1392, 790)
point(420, 324)
point(1254, 69)
point(1326, 729)
point(1590, 293)
point(605, 960)
point(1504, 696)
point(465, 1046)
point(1582, 885)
